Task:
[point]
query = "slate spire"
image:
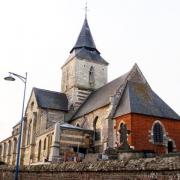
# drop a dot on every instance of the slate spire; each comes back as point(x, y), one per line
point(85, 39)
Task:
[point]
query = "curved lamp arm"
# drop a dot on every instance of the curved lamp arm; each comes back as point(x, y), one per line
point(23, 79)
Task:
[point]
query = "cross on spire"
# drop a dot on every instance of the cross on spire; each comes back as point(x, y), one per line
point(86, 9)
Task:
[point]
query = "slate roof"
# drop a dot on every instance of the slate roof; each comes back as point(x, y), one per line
point(93, 56)
point(85, 47)
point(140, 98)
point(51, 99)
point(85, 38)
point(100, 97)
point(137, 97)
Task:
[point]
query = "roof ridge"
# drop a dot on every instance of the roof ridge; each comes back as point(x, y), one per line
point(46, 90)
point(120, 91)
point(95, 92)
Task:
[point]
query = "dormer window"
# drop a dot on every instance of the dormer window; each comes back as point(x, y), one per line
point(91, 76)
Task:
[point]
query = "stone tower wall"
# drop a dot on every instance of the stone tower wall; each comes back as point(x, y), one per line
point(75, 79)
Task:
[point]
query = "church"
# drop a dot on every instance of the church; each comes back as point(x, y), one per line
point(89, 113)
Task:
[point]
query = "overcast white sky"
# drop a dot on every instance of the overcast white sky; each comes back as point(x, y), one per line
point(36, 36)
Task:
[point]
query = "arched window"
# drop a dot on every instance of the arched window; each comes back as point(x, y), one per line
point(39, 151)
point(44, 144)
point(158, 133)
point(4, 150)
point(15, 145)
point(0, 150)
point(29, 133)
point(97, 135)
point(9, 147)
point(91, 76)
point(32, 105)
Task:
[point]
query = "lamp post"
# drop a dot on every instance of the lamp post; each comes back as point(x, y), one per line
point(24, 80)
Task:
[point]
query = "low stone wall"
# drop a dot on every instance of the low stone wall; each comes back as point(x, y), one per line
point(141, 169)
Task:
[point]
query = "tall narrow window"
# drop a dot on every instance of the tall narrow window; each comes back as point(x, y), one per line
point(4, 150)
point(39, 151)
point(158, 133)
point(91, 76)
point(97, 135)
point(15, 145)
point(44, 144)
point(9, 148)
point(0, 150)
point(29, 133)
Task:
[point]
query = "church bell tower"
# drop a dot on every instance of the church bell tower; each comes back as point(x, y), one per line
point(84, 71)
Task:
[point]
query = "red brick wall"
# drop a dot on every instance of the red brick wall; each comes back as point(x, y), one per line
point(127, 120)
point(141, 125)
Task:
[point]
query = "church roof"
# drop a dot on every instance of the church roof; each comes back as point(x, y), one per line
point(93, 56)
point(51, 99)
point(136, 97)
point(85, 47)
point(101, 97)
point(139, 98)
point(85, 38)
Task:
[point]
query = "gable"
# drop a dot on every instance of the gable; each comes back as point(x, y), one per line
point(101, 97)
point(32, 103)
point(136, 97)
point(142, 99)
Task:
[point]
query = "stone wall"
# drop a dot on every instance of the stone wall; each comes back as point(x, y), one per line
point(82, 74)
point(88, 122)
point(141, 169)
point(76, 79)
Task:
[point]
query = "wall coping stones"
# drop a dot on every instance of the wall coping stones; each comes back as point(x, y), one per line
point(141, 164)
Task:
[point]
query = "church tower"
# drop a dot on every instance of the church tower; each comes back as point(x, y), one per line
point(84, 71)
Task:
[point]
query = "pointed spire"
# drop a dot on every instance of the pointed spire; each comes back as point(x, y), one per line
point(85, 39)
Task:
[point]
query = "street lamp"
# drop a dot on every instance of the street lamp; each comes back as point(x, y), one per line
point(24, 80)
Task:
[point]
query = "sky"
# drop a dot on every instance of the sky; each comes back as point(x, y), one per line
point(36, 37)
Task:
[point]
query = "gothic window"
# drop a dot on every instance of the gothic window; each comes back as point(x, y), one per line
point(49, 141)
point(39, 151)
point(4, 150)
point(32, 106)
point(15, 145)
point(158, 133)
point(91, 76)
point(67, 78)
point(97, 134)
point(44, 144)
point(9, 148)
point(29, 133)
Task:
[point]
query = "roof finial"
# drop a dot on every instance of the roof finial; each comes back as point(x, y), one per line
point(86, 9)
